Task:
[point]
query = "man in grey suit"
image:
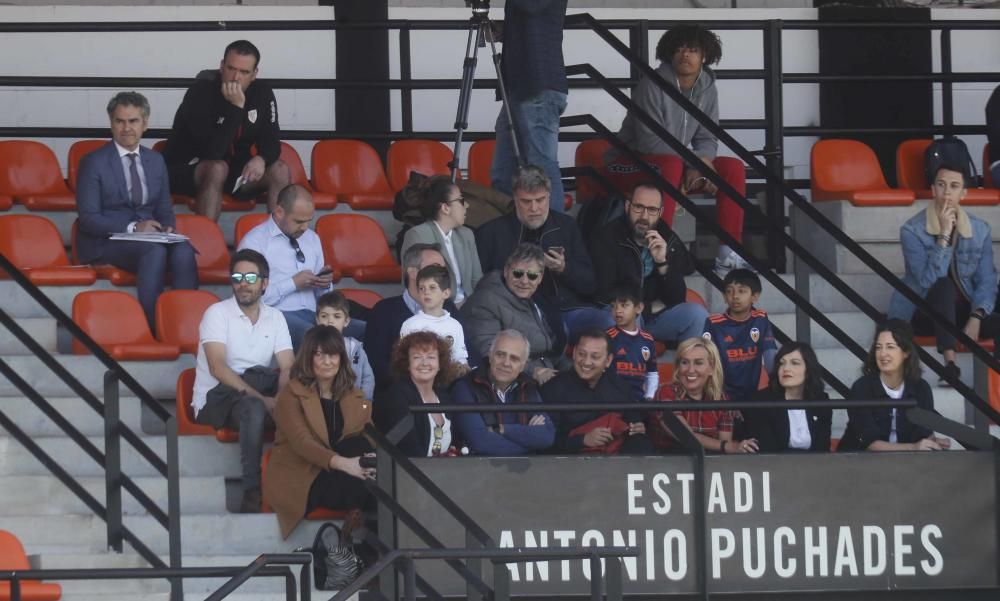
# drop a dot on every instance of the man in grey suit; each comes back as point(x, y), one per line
point(123, 188)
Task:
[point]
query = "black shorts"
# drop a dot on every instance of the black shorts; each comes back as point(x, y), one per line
point(182, 181)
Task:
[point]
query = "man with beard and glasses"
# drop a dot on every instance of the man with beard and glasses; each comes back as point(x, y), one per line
point(636, 250)
point(294, 254)
point(234, 383)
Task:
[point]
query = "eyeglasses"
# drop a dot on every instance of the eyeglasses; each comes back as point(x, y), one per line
point(520, 273)
point(299, 255)
point(460, 199)
point(250, 278)
point(640, 209)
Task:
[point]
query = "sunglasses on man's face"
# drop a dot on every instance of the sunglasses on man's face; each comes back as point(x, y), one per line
point(520, 273)
point(251, 278)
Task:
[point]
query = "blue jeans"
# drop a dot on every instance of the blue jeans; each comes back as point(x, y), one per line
point(300, 321)
point(580, 320)
point(678, 323)
point(537, 125)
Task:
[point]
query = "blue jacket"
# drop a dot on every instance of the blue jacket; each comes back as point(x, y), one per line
point(518, 437)
point(927, 262)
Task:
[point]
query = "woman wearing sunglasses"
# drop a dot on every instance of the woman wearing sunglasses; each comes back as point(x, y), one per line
point(444, 209)
point(422, 365)
point(507, 301)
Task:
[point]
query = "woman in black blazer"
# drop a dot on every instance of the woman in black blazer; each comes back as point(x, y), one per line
point(891, 370)
point(796, 377)
point(422, 364)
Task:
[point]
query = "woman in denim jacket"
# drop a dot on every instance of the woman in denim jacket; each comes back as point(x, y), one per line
point(949, 262)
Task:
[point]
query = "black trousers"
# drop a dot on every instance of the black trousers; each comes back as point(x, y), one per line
point(945, 298)
point(333, 489)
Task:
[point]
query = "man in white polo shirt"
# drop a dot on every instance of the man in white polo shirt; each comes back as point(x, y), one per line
point(234, 384)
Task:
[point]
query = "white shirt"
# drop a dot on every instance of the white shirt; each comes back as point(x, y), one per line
point(894, 393)
point(445, 437)
point(449, 248)
point(127, 166)
point(446, 327)
point(247, 344)
point(798, 430)
point(268, 239)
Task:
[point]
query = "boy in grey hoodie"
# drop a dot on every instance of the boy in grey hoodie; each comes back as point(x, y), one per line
point(686, 53)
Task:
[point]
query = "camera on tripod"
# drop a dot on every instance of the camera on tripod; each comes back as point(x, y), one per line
point(478, 6)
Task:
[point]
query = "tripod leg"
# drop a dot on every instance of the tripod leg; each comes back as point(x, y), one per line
point(465, 92)
point(503, 97)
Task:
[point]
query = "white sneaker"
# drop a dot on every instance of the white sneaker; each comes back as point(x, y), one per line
point(729, 262)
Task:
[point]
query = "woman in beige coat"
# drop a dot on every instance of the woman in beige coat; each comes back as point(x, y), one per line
point(319, 440)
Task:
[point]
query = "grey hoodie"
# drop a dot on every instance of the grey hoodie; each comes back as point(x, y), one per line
point(676, 120)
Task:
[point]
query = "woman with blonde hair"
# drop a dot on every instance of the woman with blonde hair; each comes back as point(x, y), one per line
point(698, 377)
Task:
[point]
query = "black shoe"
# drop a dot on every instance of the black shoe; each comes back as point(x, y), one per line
point(251, 502)
point(951, 370)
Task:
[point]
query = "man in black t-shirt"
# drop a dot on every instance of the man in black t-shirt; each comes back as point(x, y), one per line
point(225, 138)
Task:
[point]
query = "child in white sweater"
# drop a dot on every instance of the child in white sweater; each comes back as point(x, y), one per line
point(433, 288)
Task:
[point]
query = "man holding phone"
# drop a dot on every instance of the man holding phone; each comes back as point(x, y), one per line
point(295, 255)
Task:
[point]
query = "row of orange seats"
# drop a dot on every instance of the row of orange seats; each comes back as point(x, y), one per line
point(849, 170)
point(343, 171)
point(354, 245)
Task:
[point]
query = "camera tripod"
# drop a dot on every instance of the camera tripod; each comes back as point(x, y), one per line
point(480, 32)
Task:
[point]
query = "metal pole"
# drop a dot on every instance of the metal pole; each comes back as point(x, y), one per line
point(291, 591)
point(947, 102)
point(305, 581)
point(112, 462)
point(174, 508)
point(595, 577)
point(613, 578)
point(475, 565)
point(701, 522)
point(406, 74)
point(476, 37)
point(774, 138)
point(501, 582)
point(388, 525)
point(15, 589)
point(409, 579)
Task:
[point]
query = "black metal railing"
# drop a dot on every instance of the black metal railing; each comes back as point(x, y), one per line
point(114, 432)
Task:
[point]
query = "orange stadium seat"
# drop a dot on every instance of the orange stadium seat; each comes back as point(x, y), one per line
point(427, 157)
point(77, 151)
point(355, 246)
point(212, 253)
point(910, 175)
point(849, 170)
point(320, 513)
point(116, 322)
point(353, 171)
point(364, 297)
point(33, 244)
point(186, 426)
point(246, 223)
point(590, 153)
point(30, 175)
point(228, 202)
point(481, 161)
point(13, 557)
point(178, 316)
point(297, 173)
point(117, 276)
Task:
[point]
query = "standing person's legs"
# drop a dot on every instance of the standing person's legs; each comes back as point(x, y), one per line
point(536, 121)
point(680, 322)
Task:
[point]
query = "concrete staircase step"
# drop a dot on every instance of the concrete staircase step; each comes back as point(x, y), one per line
point(158, 377)
point(199, 456)
point(18, 303)
point(89, 422)
point(41, 329)
point(46, 495)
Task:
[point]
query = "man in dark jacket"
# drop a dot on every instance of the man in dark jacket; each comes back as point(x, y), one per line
point(632, 251)
point(589, 382)
point(569, 275)
point(216, 129)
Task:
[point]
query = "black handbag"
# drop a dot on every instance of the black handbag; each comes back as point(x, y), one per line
point(335, 562)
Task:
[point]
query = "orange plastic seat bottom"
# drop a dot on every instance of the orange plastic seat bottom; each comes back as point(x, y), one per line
point(228, 202)
point(68, 275)
point(365, 201)
point(32, 590)
point(6, 202)
point(976, 197)
point(959, 347)
point(48, 202)
point(376, 273)
point(324, 200)
point(151, 351)
point(118, 277)
point(869, 198)
point(213, 276)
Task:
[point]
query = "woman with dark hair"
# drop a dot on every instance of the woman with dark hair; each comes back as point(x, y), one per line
point(796, 377)
point(891, 370)
point(319, 439)
point(423, 368)
point(444, 208)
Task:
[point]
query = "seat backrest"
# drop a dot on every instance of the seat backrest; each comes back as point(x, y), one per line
point(364, 297)
point(31, 241)
point(910, 165)
point(77, 151)
point(12, 555)
point(110, 317)
point(351, 240)
point(296, 172)
point(692, 296)
point(178, 316)
point(428, 157)
point(159, 146)
point(481, 161)
point(348, 167)
point(246, 223)
point(590, 153)
point(206, 237)
point(29, 167)
point(845, 166)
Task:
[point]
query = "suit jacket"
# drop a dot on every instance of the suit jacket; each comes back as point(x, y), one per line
point(394, 405)
point(103, 201)
point(302, 447)
point(865, 426)
point(463, 241)
point(771, 426)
